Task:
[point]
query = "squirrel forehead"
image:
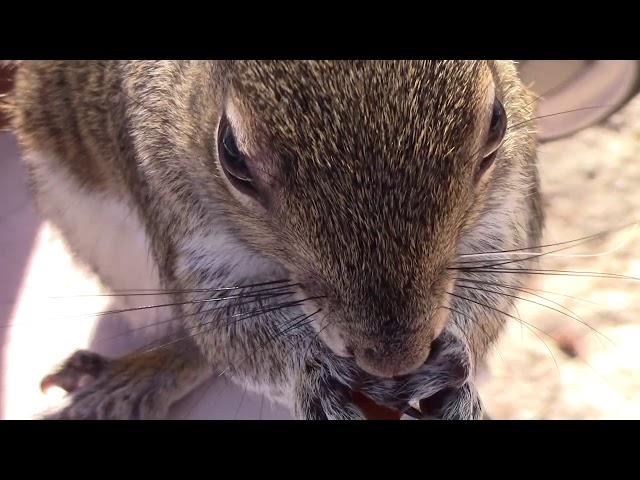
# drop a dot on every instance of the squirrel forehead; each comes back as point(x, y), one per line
point(324, 109)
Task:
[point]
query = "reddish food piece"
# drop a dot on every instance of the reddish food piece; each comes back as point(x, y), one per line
point(373, 411)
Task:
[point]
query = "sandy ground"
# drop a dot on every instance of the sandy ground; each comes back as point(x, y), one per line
point(589, 367)
point(552, 367)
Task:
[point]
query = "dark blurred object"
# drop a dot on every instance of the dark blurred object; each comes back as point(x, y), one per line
point(594, 89)
point(6, 83)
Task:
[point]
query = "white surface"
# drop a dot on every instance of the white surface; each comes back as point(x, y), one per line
point(38, 331)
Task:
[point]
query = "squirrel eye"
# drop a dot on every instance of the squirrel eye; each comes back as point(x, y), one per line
point(495, 135)
point(497, 128)
point(232, 161)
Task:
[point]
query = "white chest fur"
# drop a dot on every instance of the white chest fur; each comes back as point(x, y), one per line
point(103, 232)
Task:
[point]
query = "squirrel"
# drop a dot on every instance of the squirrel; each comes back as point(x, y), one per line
point(317, 226)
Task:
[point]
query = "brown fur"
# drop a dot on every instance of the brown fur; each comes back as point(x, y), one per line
point(367, 169)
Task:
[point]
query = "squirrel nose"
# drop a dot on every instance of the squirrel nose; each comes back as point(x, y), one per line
point(386, 363)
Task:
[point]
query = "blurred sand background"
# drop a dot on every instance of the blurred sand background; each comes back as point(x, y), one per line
point(590, 183)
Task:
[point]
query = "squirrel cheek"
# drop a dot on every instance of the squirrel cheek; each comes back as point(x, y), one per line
point(442, 314)
point(439, 322)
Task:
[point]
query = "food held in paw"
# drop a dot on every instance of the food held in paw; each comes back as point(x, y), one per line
point(372, 410)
